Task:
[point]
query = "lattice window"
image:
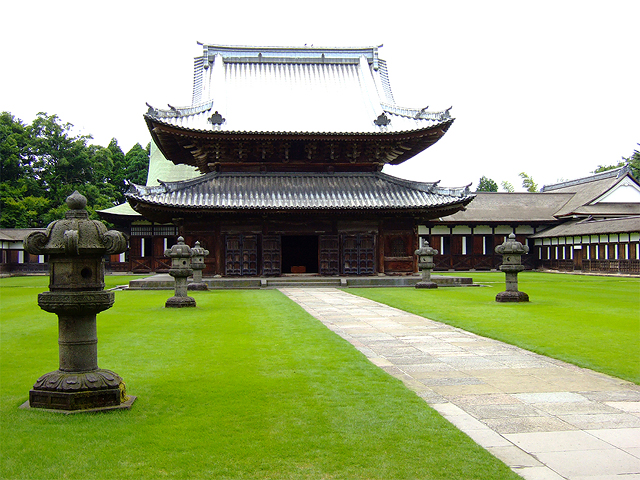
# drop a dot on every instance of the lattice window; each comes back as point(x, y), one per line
point(398, 247)
point(141, 230)
point(165, 230)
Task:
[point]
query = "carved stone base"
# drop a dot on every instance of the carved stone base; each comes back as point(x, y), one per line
point(126, 405)
point(60, 390)
point(179, 302)
point(198, 286)
point(426, 285)
point(510, 296)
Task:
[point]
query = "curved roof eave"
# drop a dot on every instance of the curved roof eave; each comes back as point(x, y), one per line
point(263, 133)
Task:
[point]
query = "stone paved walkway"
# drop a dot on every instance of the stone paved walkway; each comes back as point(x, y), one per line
point(546, 419)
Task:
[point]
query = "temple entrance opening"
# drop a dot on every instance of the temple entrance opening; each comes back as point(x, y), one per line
point(299, 254)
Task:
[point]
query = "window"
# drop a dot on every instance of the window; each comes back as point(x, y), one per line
point(445, 243)
point(146, 247)
point(398, 247)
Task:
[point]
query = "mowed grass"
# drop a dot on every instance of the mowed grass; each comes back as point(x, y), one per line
point(245, 386)
point(590, 321)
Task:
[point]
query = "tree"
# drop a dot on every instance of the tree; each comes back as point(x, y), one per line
point(136, 165)
point(633, 161)
point(44, 162)
point(13, 141)
point(528, 183)
point(486, 185)
point(119, 166)
point(507, 187)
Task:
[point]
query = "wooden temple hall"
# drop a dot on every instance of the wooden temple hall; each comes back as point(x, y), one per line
point(276, 166)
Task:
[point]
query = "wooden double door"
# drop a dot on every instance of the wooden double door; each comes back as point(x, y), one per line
point(273, 255)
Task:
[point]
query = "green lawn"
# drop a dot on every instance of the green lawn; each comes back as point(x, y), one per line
point(590, 321)
point(246, 386)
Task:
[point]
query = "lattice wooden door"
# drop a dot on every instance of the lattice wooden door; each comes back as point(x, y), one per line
point(241, 255)
point(358, 254)
point(271, 255)
point(329, 251)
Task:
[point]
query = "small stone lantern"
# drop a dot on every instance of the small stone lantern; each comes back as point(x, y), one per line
point(512, 251)
point(197, 265)
point(76, 247)
point(180, 255)
point(425, 263)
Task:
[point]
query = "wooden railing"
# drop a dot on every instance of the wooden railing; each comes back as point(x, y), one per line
point(593, 266)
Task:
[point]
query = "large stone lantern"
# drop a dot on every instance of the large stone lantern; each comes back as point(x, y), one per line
point(197, 265)
point(180, 255)
point(425, 264)
point(512, 251)
point(76, 247)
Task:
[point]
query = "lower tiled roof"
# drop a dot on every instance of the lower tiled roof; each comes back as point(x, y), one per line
point(298, 191)
point(592, 227)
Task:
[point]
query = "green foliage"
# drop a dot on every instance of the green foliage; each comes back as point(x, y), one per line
point(633, 161)
point(604, 336)
point(44, 162)
point(137, 164)
point(245, 386)
point(23, 212)
point(507, 187)
point(487, 185)
point(528, 183)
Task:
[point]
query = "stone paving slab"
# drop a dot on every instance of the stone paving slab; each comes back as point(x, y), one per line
point(546, 419)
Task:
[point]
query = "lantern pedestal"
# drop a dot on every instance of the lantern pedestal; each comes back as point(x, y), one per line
point(180, 255)
point(425, 264)
point(512, 252)
point(197, 265)
point(76, 247)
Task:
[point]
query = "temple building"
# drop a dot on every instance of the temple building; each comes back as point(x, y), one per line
point(590, 224)
point(276, 167)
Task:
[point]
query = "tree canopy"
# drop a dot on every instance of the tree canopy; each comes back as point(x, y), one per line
point(486, 185)
point(44, 162)
point(507, 187)
point(633, 161)
point(528, 183)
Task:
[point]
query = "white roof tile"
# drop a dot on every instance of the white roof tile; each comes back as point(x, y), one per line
point(301, 90)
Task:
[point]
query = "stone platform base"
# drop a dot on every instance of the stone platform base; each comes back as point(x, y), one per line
point(197, 286)
point(180, 302)
point(512, 297)
point(426, 285)
point(165, 282)
point(126, 405)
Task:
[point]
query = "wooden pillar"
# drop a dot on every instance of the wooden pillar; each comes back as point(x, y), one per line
point(380, 247)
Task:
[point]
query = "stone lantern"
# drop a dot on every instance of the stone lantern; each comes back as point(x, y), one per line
point(197, 265)
point(180, 255)
point(76, 247)
point(425, 263)
point(512, 251)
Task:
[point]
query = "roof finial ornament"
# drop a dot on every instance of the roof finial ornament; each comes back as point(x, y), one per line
point(151, 111)
point(382, 120)
point(216, 119)
point(422, 111)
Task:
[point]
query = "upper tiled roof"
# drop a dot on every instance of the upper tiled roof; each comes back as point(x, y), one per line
point(585, 190)
point(305, 90)
point(299, 191)
point(511, 207)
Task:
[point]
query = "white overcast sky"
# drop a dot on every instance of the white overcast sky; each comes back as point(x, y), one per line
point(546, 87)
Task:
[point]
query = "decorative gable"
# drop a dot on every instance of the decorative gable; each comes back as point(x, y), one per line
point(625, 191)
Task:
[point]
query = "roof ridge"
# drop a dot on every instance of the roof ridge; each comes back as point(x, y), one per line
point(614, 172)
